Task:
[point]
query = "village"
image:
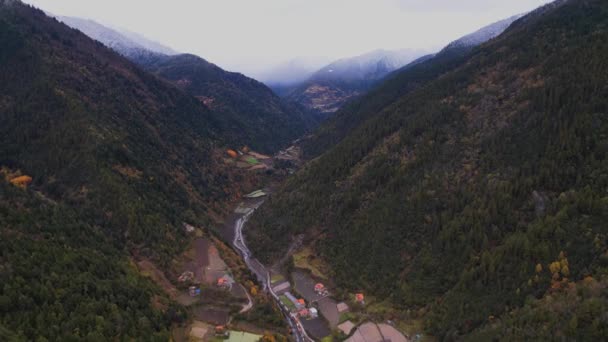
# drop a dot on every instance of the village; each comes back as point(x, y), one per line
point(326, 319)
point(221, 284)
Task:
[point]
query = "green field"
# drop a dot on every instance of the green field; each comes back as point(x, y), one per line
point(287, 302)
point(241, 336)
point(276, 278)
point(252, 161)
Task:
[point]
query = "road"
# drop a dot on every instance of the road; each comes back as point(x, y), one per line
point(249, 304)
point(263, 276)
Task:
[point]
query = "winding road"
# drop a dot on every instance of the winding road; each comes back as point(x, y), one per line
point(263, 276)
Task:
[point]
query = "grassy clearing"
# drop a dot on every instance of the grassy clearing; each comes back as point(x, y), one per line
point(306, 259)
point(348, 316)
point(276, 278)
point(327, 339)
point(252, 161)
point(241, 336)
point(287, 302)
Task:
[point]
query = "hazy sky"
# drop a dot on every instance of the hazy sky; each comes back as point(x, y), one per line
point(242, 35)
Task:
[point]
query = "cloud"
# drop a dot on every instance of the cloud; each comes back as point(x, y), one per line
point(244, 35)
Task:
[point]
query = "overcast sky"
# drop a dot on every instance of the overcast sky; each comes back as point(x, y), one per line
point(242, 35)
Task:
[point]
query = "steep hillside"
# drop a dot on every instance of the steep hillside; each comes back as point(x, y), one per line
point(333, 85)
point(117, 159)
point(407, 79)
point(475, 194)
point(246, 108)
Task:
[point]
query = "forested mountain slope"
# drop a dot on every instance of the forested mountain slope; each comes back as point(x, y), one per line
point(477, 192)
point(411, 77)
point(247, 109)
point(118, 160)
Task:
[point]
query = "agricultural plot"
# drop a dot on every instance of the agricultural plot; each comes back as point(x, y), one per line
point(241, 336)
point(287, 302)
point(316, 327)
point(329, 310)
point(372, 332)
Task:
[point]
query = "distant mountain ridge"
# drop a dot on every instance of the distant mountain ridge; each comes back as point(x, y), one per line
point(131, 45)
point(147, 43)
point(367, 67)
point(291, 72)
point(333, 85)
point(328, 89)
point(398, 83)
point(484, 34)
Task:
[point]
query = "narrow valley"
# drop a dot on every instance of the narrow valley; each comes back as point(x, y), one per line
point(318, 171)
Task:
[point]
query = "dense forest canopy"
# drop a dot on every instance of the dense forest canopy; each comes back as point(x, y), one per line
point(459, 195)
point(248, 112)
point(118, 159)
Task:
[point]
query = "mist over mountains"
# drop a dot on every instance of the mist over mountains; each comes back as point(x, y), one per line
point(131, 45)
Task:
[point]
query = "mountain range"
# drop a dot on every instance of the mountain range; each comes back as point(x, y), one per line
point(130, 45)
point(398, 83)
point(331, 86)
point(283, 76)
point(246, 108)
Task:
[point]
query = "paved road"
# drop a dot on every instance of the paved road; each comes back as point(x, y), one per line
point(263, 276)
point(249, 304)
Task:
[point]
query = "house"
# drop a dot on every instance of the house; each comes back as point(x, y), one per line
point(360, 298)
point(346, 327)
point(232, 153)
point(189, 228)
point(225, 281)
point(299, 303)
point(279, 288)
point(186, 276)
point(256, 194)
point(320, 289)
point(194, 291)
point(221, 331)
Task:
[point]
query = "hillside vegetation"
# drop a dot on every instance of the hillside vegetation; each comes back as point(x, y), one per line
point(248, 111)
point(118, 160)
point(395, 85)
point(476, 192)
